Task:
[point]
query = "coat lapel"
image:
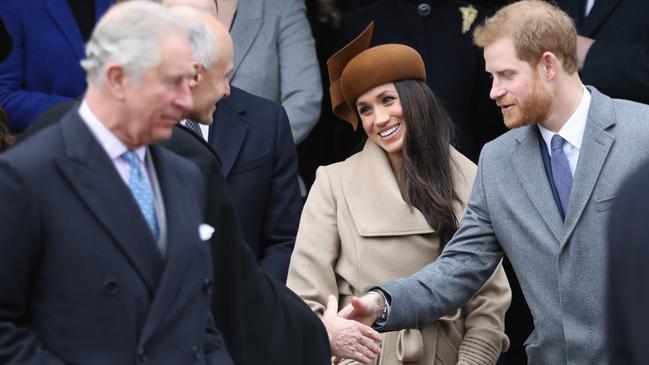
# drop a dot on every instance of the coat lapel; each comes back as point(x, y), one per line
point(179, 234)
point(94, 177)
point(228, 131)
point(245, 28)
point(64, 19)
point(528, 164)
point(594, 150)
point(374, 199)
point(597, 16)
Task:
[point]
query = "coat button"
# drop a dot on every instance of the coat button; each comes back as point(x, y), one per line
point(207, 285)
point(140, 355)
point(197, 352)
point(111, 287)
point(423, 9)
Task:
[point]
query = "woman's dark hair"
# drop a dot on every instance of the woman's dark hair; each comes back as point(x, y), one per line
point(6, 140)
point(426, 170)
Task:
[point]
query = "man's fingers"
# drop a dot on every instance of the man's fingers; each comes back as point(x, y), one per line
point(361, 306)
point(361, 358)
point(347, 311)
point(372, 345)
point(371, 333)
point(332, 304)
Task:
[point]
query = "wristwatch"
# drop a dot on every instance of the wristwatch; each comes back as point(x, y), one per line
point(384, 314)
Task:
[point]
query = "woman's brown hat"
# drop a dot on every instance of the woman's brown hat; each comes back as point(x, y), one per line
point(357, 68)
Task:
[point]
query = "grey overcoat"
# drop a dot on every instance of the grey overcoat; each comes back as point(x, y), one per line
point(511, 211)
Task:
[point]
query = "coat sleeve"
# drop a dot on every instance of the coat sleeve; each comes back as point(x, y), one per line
point(22, 106)
point(311, 273)
point(19, 255)
point(284, 206)
point(484, 322)
point(484, 314)
point(300, 84)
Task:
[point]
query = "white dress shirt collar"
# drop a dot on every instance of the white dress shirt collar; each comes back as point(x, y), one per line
point(573, 130)
point(111, 144)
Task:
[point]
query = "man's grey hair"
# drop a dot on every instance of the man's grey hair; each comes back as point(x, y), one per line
point(130, 34)
point(203, 41)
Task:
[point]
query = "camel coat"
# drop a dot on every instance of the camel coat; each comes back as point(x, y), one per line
point(356, 231)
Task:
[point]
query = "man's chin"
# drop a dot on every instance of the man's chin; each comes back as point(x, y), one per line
point(202, 119)
point(516, 123)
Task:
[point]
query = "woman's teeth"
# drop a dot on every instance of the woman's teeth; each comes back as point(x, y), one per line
point(390, 131)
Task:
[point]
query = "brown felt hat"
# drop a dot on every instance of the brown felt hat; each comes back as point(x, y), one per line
point(356, 68)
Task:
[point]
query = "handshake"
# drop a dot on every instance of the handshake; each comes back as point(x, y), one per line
point(350, 333)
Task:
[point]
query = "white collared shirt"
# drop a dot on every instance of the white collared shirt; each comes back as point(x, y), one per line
point(112, 145)
point(572, 131)
point(205, 128)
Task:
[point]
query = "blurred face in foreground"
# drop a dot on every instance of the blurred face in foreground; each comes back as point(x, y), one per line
point(156, 101)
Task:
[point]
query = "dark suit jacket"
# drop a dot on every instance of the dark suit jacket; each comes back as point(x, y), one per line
point(261, 320)
point(628, 292)
point(618, 62)
point(81, 278)
point(252, 137)
point(454, 66)
point(43, 68)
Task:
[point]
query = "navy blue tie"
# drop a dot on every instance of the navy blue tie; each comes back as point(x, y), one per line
point(561, 171)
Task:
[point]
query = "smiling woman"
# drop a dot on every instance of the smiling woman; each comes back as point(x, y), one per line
point(387, 211)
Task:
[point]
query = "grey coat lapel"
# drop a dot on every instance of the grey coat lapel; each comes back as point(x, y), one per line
point(245, 28)
point(595, 147)
point(528, 164)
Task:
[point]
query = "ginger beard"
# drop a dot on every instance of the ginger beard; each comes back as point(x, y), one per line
point(531, 108)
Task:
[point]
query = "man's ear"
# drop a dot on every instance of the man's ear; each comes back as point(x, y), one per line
point(549, 63)
point(116, 80)
point(198, 75)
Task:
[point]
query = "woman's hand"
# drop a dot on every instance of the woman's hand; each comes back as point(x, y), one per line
point(350, 339)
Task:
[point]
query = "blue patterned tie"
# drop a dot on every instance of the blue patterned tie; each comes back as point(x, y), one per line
point(561, 171)
point(194, 126)
point(141, 191)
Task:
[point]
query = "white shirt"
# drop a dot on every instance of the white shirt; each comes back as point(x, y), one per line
point(112, 145)
point(205, 128)
point(589, 6)
point(572, 131)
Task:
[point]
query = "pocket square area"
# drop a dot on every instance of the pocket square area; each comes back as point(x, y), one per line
point(205, 231)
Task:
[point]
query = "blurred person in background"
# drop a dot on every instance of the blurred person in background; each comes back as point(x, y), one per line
point(44, 68)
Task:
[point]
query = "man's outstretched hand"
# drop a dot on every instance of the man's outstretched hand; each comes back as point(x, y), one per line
point(350, 339)
point(365, 309)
